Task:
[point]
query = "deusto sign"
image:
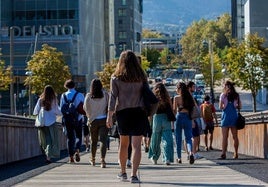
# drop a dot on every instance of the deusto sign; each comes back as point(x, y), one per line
point(46, 30)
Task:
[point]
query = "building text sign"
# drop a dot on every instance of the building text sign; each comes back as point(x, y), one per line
point(46, 30)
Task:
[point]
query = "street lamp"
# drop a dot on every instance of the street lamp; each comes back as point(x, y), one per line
point(29, 73)
point(210, 50)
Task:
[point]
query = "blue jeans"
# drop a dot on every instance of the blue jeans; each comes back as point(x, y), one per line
point(184, 122)
point(74, 132)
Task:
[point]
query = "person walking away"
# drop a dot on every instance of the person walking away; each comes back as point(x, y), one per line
point(183, 105)
point(48, 135)
point(229, 102)
point(196, 123)
point(162, 128)
point(208, 113)
point(86, 134)
point(127, 103)
point(73, 121)
point(95, 106)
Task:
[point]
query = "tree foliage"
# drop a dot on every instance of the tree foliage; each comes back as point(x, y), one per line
point(47, 67)
point(152, 55)
point(146, 33)
point(218, 31)
point(106, 73)
point(5, 79)
point(247, 64)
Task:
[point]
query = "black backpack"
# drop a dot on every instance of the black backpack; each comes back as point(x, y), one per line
point(69, 111)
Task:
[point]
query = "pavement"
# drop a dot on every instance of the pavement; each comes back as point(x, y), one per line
point(208, 171)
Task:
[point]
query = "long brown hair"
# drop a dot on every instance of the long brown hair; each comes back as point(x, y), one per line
point(129, 69)
point(162, 95)
point(230, 91)
point(96, 89)
point(187, 98)
point(48, 97)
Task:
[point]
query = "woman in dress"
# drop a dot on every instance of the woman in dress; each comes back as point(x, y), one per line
point(48, 135)
point(229, 103)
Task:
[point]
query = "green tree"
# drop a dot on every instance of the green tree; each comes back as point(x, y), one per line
point(106, 73)
point(247, 64)
point(152, 55)
point(5, 79)
point(218, 31)
point(146, 33)
point(47, 67)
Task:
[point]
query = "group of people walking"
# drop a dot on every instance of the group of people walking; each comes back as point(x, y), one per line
point(125, 103)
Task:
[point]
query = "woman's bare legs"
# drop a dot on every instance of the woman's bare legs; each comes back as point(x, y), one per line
point(136, 154)
point(225, 132)
point(123, 152)
point(236, 141)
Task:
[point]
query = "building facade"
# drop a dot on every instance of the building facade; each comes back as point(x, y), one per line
point(76, 28)
point(127, 26)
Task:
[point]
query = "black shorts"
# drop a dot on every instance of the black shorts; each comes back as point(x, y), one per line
point(209, 128)
point(132, 121)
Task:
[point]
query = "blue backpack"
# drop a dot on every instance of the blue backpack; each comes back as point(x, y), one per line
point(69, 111)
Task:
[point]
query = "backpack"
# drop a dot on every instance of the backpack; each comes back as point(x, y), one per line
point(207, 112)
point(69, 111)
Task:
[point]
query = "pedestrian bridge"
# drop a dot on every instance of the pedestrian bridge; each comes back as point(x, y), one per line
point(19, 133)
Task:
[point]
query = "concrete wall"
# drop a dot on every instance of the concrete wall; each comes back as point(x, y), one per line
point(253, 140)
point(19, 139)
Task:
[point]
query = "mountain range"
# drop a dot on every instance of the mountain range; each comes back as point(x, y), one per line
point(177, 15)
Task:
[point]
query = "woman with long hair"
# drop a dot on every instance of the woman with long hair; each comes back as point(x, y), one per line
point(127, 103)
point(229, 103)
point(183, 105)
point(162, 128)
point(48, 135)
point(95, 106)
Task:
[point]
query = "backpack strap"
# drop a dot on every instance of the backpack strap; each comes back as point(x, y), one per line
point(66, 100)
point(74, 97)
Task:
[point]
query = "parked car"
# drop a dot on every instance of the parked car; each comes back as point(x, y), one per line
point(169, 82)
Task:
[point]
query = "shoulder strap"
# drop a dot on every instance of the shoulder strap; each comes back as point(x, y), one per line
point(65, 98)
point(74, 97)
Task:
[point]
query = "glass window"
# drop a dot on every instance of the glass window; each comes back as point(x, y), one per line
point(122, 12)
point(122, 35)
point(124, 2)
point(120, 22)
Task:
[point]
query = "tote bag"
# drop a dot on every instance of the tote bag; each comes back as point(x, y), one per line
point(40, 118)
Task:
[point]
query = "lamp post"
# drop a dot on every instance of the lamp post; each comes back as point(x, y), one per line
point(210, 51)
point(212, 71)
point(30, 73)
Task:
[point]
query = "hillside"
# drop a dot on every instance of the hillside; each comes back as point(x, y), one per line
point(177, 15)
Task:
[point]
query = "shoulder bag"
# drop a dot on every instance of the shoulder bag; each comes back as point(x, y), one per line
point(40, 118)
point(149, 99)
point(195, 113)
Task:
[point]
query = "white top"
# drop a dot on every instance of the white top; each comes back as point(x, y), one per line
point(49, 116)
